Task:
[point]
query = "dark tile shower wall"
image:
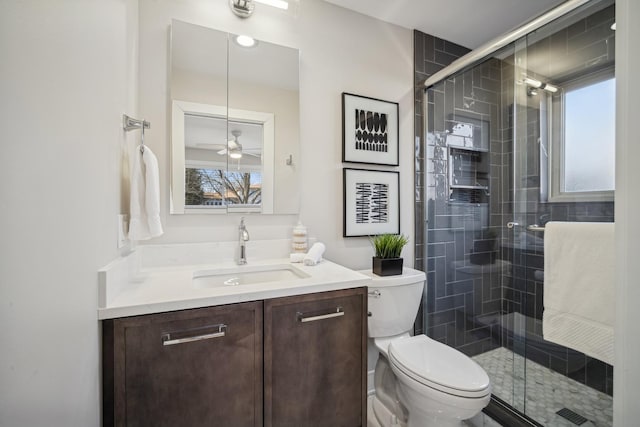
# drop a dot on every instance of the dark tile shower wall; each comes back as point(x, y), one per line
point(463, 285)
point(431, 54)
point(467, 304)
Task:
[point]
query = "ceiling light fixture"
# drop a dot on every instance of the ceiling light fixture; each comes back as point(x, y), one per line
point(245, 41)
point(532, 82)
point(539, 85)
point(242, 8)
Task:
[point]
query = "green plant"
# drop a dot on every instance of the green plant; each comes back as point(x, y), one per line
point(389, 245)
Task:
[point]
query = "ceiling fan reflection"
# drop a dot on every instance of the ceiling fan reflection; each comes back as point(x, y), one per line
point(234, 147)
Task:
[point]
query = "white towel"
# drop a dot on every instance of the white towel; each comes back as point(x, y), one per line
point(314, 255)
point(579, 287)
point(296, 257)
point(145, 197)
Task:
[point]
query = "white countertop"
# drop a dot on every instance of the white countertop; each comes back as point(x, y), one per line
point(134, 285)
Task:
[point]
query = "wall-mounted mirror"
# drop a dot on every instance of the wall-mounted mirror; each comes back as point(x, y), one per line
point(234, 124)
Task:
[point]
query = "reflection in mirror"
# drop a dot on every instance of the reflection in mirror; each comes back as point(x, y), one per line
point(209, 182)
point(221, 174)
point(235, 123)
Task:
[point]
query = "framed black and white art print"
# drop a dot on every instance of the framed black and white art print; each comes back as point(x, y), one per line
point(371, 202)
point(369, 130)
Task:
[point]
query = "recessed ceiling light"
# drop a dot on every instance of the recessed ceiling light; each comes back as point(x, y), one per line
point(245, 41)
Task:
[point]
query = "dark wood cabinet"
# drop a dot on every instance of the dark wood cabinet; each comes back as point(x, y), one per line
point(200, 367)
point(315, 360)
point(286, 362)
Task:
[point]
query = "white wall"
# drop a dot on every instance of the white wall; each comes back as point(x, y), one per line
point(341, 51)
point(68, 72)
point(626, 411)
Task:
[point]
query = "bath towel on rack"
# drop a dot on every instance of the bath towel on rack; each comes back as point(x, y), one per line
point(579, 287)
point(145, 197)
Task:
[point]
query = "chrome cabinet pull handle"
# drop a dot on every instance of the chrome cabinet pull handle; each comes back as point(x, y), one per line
point(375, 294)
point(303, 319)
point(167, 340)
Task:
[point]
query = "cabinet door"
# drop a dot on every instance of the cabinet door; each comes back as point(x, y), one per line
point(315, 360)
point(200, 367)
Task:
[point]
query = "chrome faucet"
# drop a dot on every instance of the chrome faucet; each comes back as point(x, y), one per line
point(243, 236)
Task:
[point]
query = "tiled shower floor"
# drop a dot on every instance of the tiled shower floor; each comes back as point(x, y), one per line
point(546, 391)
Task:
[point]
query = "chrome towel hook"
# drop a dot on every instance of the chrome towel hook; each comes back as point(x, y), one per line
point(129, 123)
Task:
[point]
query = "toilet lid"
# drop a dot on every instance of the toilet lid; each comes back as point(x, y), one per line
point(439, 366)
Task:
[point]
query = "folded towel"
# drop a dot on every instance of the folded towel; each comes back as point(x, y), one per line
point(145, 197)
point(579, 287)
point(314, 255)
point(297, 257)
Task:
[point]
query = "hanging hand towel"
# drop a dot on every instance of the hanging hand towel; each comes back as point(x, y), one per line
point(145, 197)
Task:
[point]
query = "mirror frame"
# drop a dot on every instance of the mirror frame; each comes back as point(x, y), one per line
point(179, 109)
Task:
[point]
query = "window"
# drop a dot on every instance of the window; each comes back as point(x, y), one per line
point(214, 188)
point(582, 136)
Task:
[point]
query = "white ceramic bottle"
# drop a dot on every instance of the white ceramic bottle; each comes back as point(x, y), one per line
point(299, 242)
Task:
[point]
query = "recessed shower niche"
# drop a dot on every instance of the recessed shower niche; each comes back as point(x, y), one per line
point(468, 173)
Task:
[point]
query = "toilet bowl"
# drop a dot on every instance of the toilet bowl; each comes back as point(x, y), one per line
point(438, 385)
point(419, 382)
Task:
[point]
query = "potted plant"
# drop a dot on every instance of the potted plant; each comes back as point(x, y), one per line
point(387, 261)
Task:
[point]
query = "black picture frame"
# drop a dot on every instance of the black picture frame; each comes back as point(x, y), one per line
point(370, 130)
point(371, 202)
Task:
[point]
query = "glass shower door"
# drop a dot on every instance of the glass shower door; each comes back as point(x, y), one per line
point(515, 291)
point(492, 181)
point(556, 137)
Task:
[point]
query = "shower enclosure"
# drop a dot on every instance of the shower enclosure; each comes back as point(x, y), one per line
point(522, 136)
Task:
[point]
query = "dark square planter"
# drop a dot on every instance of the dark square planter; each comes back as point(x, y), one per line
point(387, 266)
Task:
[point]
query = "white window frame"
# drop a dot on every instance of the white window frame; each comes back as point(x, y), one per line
point(555, 133)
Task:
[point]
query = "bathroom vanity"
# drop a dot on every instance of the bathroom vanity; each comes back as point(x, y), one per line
point(288, 352)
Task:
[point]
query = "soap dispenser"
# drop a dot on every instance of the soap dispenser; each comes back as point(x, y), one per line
point(299, 239)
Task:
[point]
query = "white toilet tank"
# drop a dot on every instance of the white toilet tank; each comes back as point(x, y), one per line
point(394, 302)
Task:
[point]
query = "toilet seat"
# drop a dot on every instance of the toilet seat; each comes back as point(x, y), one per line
point(439, 366)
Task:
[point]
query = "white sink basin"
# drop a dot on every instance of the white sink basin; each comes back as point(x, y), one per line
point(246, 275)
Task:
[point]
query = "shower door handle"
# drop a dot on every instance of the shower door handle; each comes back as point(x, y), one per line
point(511, 224)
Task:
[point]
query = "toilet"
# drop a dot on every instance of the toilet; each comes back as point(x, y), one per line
point(419, 382)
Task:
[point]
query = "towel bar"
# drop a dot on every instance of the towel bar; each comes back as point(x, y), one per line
point(535, 227)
